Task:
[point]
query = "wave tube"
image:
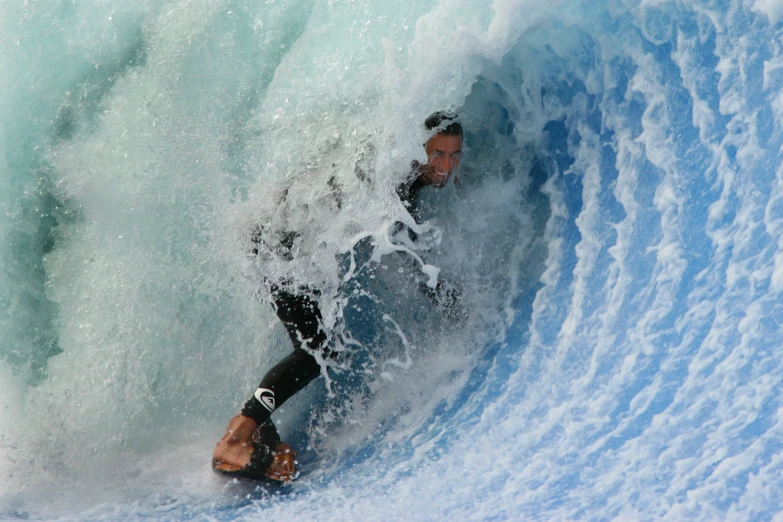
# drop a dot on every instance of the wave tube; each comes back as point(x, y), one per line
point(615, 235)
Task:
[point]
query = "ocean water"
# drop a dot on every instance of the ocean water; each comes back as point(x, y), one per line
point(615, 234)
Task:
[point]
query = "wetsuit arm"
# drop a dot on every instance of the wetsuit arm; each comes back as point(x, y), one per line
point(408, 192)
point(446, 297)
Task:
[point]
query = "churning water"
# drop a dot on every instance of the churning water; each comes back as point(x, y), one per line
point(615, 235)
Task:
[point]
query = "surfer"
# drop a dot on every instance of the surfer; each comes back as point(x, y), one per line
point(251, 447)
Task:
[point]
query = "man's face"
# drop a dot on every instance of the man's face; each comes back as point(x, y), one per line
point(443, 156)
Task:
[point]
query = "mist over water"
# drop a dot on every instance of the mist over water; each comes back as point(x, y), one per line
point(615, 234)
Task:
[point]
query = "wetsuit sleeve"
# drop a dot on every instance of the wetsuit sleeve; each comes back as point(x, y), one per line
point(408, 191)
point(445, 296)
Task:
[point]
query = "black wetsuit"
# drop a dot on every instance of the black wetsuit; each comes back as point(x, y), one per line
point(301, 316)
point(302, 320)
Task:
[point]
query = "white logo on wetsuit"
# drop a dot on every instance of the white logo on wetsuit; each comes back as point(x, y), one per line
point(267, 398)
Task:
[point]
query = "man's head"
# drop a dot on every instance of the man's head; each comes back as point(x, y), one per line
point(444, 149)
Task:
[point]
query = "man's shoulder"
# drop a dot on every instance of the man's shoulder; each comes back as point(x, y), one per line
point(409, 189)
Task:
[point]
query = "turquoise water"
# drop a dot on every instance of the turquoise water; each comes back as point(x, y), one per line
point(615, 234)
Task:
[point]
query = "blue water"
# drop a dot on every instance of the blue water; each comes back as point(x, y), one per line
point(615, 234)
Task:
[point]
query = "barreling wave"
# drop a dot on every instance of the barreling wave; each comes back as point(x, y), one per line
point(615, 235)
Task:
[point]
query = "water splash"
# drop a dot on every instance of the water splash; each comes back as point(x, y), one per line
point(616, 231)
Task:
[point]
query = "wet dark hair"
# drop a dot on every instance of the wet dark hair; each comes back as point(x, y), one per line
point(436, 119)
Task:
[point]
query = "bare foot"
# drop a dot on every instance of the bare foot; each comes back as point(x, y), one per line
point(233, 451)
point(283, 466)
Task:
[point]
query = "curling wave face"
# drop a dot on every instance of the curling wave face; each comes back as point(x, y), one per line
point(615, 235)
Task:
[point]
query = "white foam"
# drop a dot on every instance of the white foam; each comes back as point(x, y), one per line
point(11, 427)
point(772, 8)
point(647, 387)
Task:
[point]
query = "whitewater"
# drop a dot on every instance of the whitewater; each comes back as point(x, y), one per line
point(615, 234)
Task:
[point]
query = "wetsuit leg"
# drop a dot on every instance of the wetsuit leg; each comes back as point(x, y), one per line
point(302, 320)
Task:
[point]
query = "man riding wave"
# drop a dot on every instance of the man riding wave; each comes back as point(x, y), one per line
point(251, 447)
